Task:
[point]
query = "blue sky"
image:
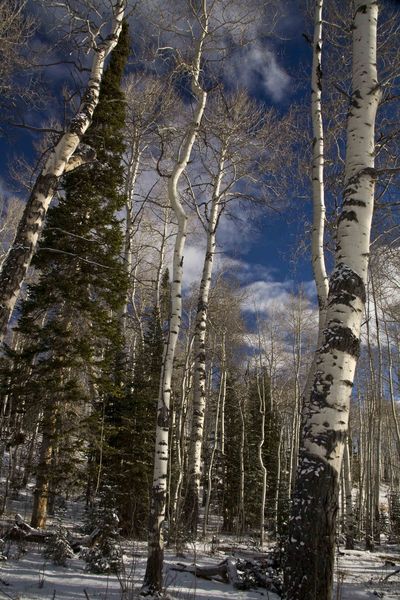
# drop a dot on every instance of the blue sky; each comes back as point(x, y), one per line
point(267, 248)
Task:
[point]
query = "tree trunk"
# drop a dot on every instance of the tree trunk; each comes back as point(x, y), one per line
point(311, 540)
point(62, 158)
point(317, 239)
point(221, 394)
point(349, 516)
point(192, 498)
point(42, 488)
point(153, 577)
point(260, 446)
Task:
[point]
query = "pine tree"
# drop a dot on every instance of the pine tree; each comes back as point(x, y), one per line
point(132, 421)
point(70, 319)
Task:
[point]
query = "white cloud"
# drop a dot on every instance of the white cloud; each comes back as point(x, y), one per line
point(257, 69)
point(192, 266)
point(266, 296)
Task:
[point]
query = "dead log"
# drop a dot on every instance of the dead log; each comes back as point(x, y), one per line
point(242, 574)
point(18, 534)
point(22, 531)
point(207, 572)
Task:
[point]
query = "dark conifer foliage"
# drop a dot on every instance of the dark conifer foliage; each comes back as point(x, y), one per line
point(131, 422)
point(69, 322)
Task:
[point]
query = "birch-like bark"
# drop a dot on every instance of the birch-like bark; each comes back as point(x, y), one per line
point(180, 435)
point(153, 576)
point(311, 540)
point(242, 511)
point(260, 447)
point(131, 177)
point(63, 158)
point(349, 515)
point(378, 392)
point(192, 501)
point(317, 241)
point(391, 389)
point(297, 409)
point(318, 189)
point(221, 394)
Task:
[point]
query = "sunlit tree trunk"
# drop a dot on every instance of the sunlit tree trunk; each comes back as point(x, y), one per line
point(192, 500)
point(319, 211)
point(153, 576)
point(378, 392)
point(311, 540)
point(261, 396)
point(221, 396)
point(318, 189)
point(349, 516)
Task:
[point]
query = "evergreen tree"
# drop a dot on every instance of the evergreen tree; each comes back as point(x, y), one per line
point(229, 462)
point(69, 321)
point(131, 422)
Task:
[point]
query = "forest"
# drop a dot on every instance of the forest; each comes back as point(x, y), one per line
point(199, 299)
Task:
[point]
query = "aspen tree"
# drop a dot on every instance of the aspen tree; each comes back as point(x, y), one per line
point(311, 540)
point(153, 576)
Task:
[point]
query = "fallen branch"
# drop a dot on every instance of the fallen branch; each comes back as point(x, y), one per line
point(242, 574)
point(391, 574)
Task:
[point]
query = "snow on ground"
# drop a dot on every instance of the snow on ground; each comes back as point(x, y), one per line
point(30, 577)
point(361, 576)
point(27, 575)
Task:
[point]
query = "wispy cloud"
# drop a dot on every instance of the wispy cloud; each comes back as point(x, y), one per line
point(257, 69)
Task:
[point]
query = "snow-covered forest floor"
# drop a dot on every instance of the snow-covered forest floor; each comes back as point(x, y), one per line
point(28, 575)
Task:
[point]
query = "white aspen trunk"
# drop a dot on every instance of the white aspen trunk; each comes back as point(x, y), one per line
point(391, 390)
point(318, 191)
point(242, 512)
point(317, 240)
point(153, 576)
point(369, 510)
point(131, 177)
point(180, 434)
point(311, 543)
point(278, 484)
point(222, 387)
point(223, 428)
point(192, 501)
point(361, 481)
point(260, 446)
point(296, 350)
point(378, 418)
point(62, 158)
point(349, 516)
point(370, 440)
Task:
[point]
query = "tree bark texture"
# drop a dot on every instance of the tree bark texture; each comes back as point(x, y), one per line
point(42, 488)
point(311, 540)
point(60, 160)
point(153, 577)
point(192, 499)
point(317, 240)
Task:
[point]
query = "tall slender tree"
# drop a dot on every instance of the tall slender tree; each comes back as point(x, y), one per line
point(310, 548)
